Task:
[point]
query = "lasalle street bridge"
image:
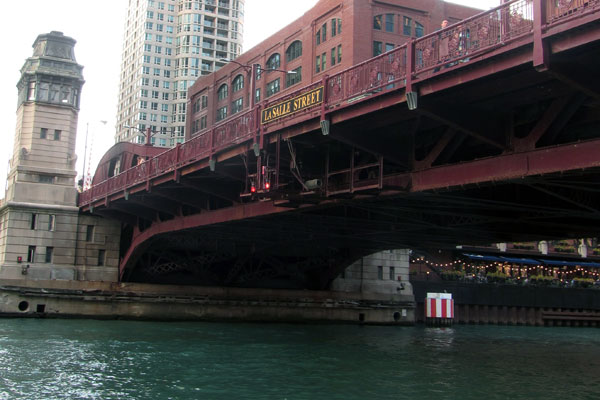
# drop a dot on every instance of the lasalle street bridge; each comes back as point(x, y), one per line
point(487, 131)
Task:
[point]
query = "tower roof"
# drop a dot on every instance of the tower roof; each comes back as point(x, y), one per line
point(54, 44)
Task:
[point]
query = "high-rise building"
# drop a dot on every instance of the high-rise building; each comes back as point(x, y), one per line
point(167, 45)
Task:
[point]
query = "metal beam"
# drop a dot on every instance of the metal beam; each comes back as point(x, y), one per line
point(467, 120)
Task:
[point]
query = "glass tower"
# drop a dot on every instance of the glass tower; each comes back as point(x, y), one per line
point(167, 45)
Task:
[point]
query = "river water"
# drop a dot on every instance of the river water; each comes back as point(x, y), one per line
point(86, 359)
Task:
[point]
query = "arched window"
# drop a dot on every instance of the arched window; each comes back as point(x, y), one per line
point(294, 51)
point(274, 61)
point(223, 91)
point(238, 83)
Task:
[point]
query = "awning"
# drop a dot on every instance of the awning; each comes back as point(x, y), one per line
point(481, 257)
point(531, 261)
point(570, 263)
point(516, 260)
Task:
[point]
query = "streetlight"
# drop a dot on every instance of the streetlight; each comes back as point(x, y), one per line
point(148, 133)
point(87, 130)
point(253, 69)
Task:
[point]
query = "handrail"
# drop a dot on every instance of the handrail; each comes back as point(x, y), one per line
point(389, 71)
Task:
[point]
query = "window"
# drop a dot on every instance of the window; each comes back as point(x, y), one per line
point(31, 91)
point(324, 33)
point(51, 222)
point(204, 102)
point(274, 61)
point(101, 257)
point(339, 54)
point(323, 61)
point(407, 26)
point(238, 83)
point(333, 57)
point(258, 72)
point(292, 79)
point(42, 178)
point(389, 46)
point(392, 273)
point(339, 28)
point(333, 27)
point(377, 48)
point(43, 133)
point(272, 87)
point(377, 22)
point(389, 22)
point(380, 272)
point(57, 134)
point(237, 105)
point(293, 51)
point(257, 96)
point(33, 221)
point(418, 30)
point(89, 233)
point(318, 37)
point(318, 64)
point(222, 113)
point(223, 92)
point(49, 252)
point(31, 254)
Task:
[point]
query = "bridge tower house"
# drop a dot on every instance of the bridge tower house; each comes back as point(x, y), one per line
point(42, 235)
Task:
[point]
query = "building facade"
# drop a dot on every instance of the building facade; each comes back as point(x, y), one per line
point(330, 37)
point(42, 235)
point(167, 45)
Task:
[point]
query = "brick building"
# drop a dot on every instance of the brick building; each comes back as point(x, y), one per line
point(330, 37)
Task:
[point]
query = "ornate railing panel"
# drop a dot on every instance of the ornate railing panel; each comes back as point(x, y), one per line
point(459, 42)
point(559, 9)
point(382, 73)
point(234, 131)
point(196, 148)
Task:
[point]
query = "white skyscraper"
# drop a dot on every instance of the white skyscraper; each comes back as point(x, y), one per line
point(167, 45)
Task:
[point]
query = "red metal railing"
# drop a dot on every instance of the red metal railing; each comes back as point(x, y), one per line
point(559, 9)
point(382, 73)
point(417, 60)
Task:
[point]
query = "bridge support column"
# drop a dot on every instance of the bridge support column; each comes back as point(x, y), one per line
point(381, 275)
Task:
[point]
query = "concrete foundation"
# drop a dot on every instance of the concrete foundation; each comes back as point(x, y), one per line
point(103, 300)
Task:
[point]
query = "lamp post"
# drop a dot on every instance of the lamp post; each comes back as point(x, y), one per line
point(253, 69)
point(87, 131)
point(148, 133)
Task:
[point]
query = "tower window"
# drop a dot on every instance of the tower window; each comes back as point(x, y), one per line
point(51, 222)
point(49, 253)
point(44, 133)
point(31, 254)
point(101, 257)
point(89, 233)
point(57, 134)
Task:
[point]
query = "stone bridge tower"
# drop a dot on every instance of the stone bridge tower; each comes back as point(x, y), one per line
point(42, 235)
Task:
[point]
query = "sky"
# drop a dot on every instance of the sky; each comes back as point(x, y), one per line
point(98, 29)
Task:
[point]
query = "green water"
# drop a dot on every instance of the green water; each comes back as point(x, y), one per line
point(62, 359)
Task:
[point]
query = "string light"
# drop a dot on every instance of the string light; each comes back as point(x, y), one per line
point(511, 269)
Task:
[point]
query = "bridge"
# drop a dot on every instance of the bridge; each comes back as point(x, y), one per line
point(486, 131)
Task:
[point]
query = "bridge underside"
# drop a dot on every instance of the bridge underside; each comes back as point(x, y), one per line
point(496, 151)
